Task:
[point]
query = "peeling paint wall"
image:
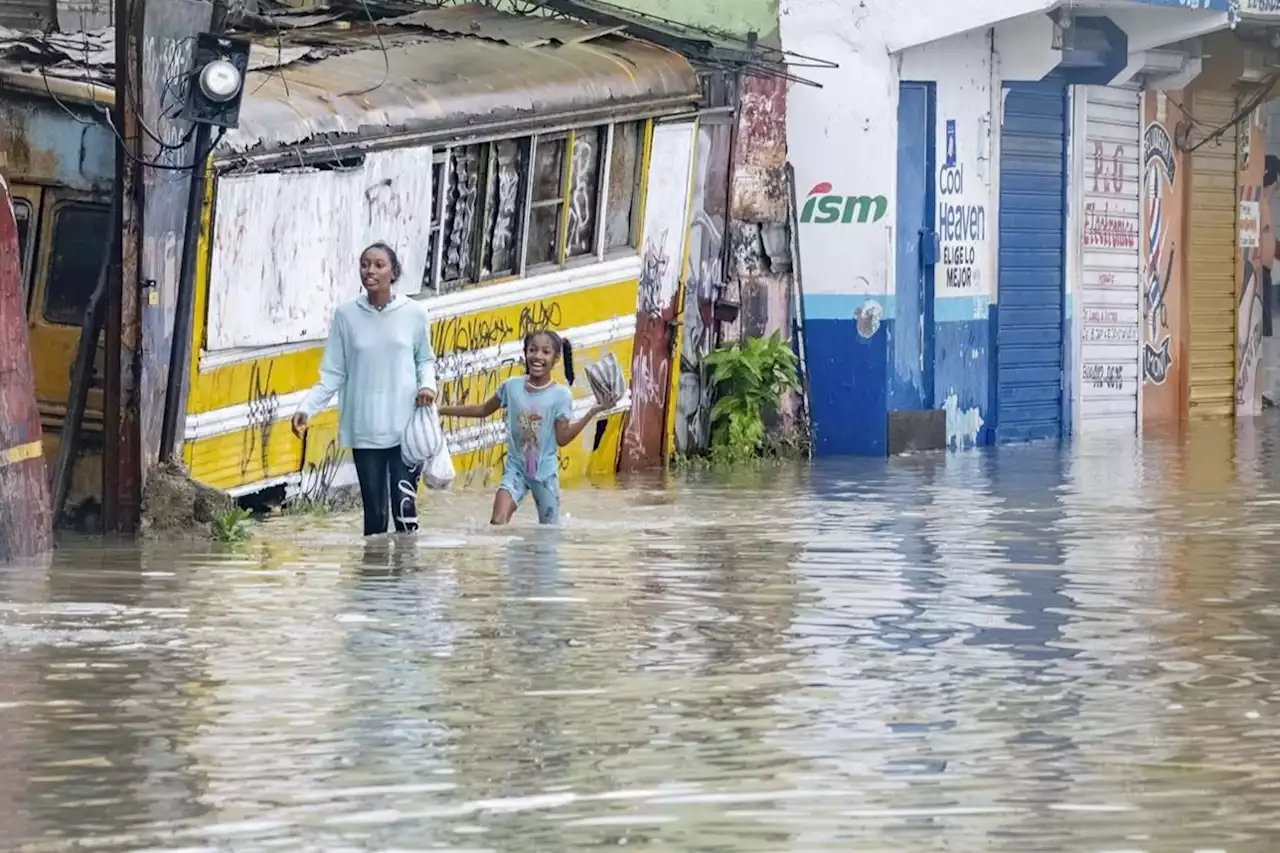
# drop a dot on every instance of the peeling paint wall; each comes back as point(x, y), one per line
point(661, 253)
point(272, 231)
point(703, 275)
point(759, 240)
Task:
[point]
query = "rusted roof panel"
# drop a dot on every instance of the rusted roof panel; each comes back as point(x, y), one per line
point(27, 14)
point(471, 19)
point(443, 83)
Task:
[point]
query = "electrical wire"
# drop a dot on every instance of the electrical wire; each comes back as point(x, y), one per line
point(151, 164)
point(386, 59)
point(1256, 100)
point(279, 59)
point(107, 120)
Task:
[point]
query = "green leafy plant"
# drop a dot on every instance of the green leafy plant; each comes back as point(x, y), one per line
point(232, 526)
point(748, 380)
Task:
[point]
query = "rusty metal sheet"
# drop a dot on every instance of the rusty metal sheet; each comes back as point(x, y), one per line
point(44, 143)
point(90, 47)
point(485, 22)
point(27, 14)
point(450, 83)
point(263, 56)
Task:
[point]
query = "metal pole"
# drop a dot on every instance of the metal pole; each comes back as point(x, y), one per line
point(90, 330)
point(179, 345)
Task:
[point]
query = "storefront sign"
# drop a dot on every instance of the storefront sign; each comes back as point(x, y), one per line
point(1249, 227)
point(824, 207)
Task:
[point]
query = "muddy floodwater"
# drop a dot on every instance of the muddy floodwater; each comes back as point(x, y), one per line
point(1035, 649)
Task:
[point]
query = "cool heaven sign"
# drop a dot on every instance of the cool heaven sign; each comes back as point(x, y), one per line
point(961, 226)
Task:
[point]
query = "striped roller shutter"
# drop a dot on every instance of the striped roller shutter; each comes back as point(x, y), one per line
point(1109, 313)
point(1212, 259)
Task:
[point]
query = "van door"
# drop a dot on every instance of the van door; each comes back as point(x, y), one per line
point(74, 228)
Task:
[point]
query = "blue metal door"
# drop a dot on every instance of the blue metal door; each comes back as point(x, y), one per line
point(911, 374)
point(1033, 220)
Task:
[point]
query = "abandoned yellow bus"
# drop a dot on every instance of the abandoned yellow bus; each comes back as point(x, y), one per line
point(532, 173)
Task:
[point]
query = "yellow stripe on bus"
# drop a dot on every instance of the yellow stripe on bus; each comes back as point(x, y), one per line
point(255, 381)
point(269, 450)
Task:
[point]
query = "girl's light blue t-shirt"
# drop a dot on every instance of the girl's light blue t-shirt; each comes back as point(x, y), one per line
point(532, 449)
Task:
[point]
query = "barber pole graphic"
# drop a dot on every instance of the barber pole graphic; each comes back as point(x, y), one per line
point(1156, 355)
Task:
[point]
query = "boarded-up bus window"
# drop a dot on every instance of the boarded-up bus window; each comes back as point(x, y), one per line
point(548, 198)
point(624, 185)
point(584, 191)
point(502, 204)
point(79, 234)
point(458, 257)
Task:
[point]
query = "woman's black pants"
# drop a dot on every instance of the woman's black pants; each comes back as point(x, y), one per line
point(387, 488)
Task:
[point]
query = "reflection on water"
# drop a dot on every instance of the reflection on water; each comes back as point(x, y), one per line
point(1028, 650)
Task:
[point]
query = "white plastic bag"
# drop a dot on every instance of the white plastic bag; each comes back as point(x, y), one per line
point(439, 473)
point(606, 379)
point(423, 446)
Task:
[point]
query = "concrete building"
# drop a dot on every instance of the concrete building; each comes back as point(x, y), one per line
point(973, 228)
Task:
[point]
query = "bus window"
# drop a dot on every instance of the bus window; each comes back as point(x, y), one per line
point(79, 234)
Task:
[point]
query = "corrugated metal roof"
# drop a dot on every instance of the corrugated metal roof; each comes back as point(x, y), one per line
point(485, 22)
point(442, 83)
point(420, 73)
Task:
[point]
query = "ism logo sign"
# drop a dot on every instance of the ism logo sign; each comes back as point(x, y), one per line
point(823, 207)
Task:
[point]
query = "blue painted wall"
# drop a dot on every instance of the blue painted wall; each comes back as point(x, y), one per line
point(847, 348)
point(962, 369)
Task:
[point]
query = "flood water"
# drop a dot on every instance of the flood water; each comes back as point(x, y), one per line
point(1035, 649)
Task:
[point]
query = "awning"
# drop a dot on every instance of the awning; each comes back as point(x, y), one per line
point(961, 16)
point(1263, 11)
point(451, 70)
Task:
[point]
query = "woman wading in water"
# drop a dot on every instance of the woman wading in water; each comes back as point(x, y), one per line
point(379, 362)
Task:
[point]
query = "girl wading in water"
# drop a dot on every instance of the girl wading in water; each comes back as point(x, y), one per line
point(539, 422)
point(379, 362)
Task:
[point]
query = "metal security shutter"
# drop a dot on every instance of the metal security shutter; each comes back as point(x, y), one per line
point(1109, 309)
point(1212, 256)
point(1033, 180)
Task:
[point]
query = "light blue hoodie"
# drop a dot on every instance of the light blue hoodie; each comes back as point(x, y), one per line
point(376, 361)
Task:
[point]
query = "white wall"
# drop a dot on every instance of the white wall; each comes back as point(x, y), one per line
point(843, 134)
point(1023, 48)
point(965, 192)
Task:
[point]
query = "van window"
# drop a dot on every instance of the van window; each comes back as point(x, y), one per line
point(79, 234)
point(22, 213)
